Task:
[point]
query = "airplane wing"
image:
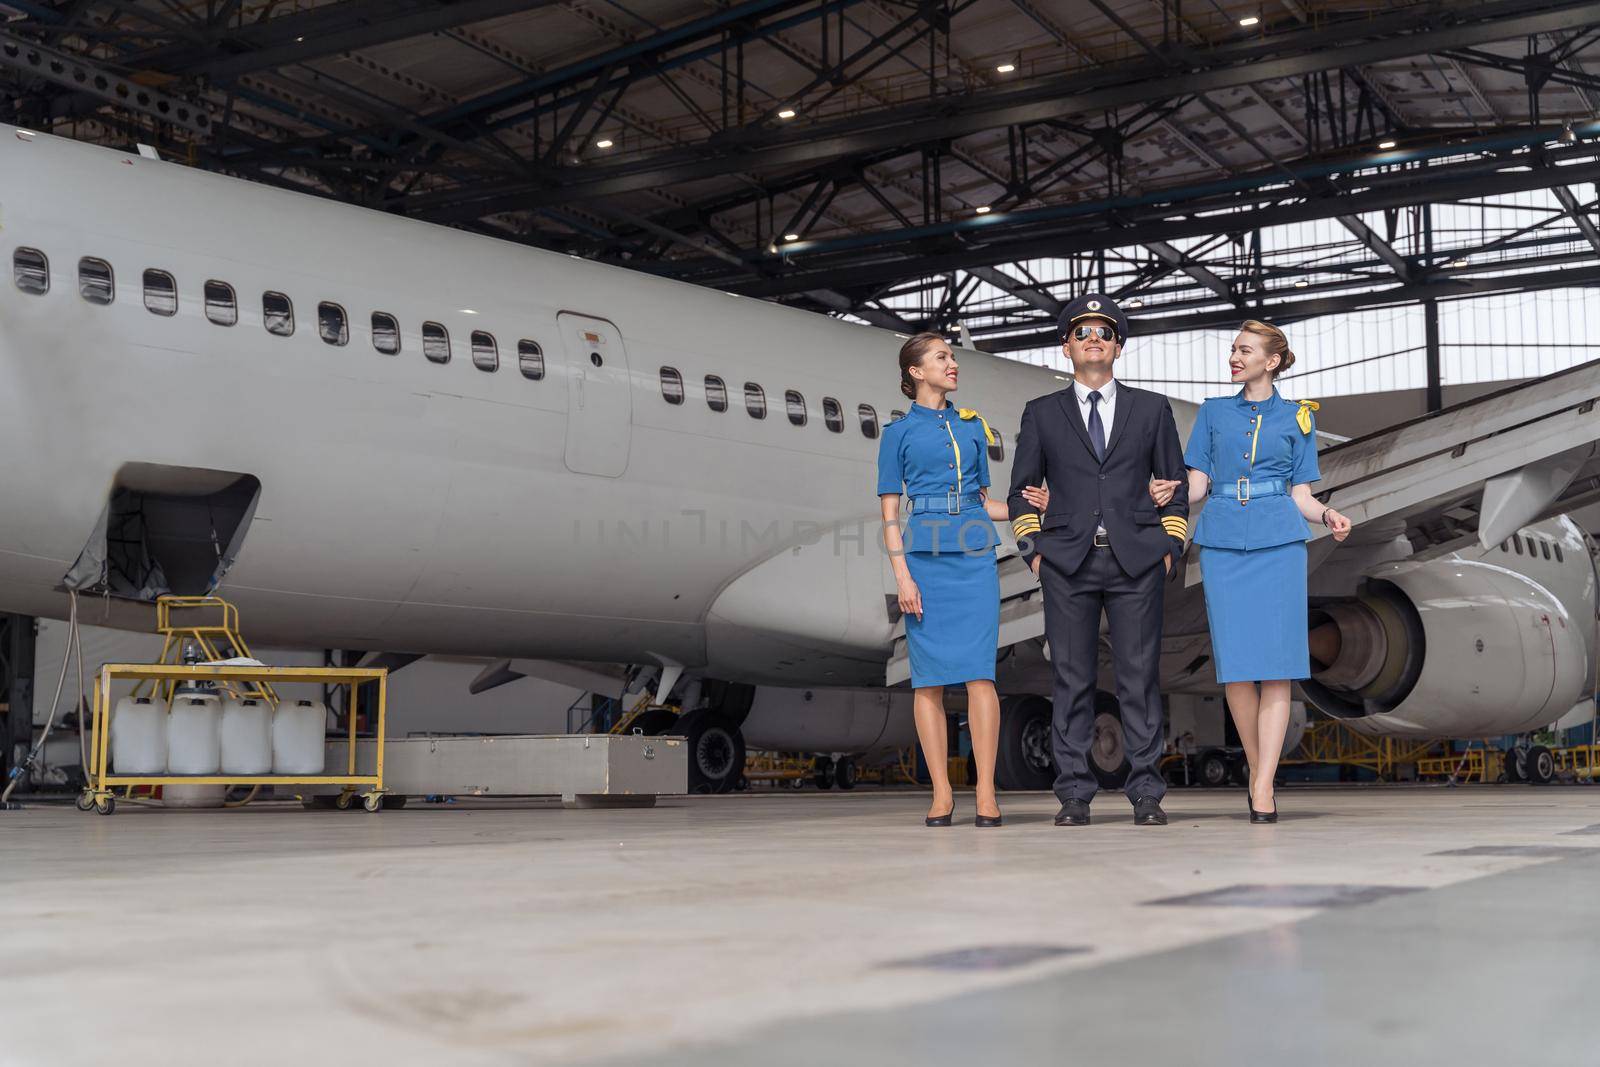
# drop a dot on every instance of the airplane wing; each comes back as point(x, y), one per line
point(1479, 470)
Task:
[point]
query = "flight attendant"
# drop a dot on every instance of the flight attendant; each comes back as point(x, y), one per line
point(1254, 455)
point(944, 563)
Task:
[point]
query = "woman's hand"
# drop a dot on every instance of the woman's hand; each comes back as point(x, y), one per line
point(1038, 496)
point(910, 597)
point(1336, 522)
point(1161, 491)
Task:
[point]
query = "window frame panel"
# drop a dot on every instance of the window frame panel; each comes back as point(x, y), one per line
point(86, 283)
point(275, 321)
point(19, 271)
point(213, 307)
point(431, 346)
point(492, 363)
point(530, 350)
point(172, 291)
point(342, 337)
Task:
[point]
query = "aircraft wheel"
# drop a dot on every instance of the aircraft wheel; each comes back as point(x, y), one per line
point(1516, 764)
point(845, 773)
point(1024, 759)
point(1108, 754)
point(1211, 769)
point(823, 772)
point(1541, 765)
point(716, 751)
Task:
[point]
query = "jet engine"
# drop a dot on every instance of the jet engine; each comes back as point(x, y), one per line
point(1447, 648)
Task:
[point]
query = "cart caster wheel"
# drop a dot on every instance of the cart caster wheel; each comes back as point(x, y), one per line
point(373, 802)
point(344, 800)
point(85, 800)
point(106, 805)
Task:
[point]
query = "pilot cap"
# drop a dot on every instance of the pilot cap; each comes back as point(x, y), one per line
point(1093, 306)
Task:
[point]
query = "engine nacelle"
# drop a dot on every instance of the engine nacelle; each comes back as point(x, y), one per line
point(830, 720)
point(1446, 648)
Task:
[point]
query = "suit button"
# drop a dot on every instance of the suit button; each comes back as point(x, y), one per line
point(1246, 455)
point(1252, 408)
point(1102, 477)
point(952, 466)
point(1096, 511)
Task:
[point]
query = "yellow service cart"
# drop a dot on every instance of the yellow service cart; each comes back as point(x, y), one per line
point(98, 795)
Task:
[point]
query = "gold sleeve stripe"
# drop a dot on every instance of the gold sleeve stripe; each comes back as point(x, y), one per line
point(1026, 525)
point(1175, 525)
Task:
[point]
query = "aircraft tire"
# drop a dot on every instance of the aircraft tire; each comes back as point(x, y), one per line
point(1108, 757)
point(1541, 765)
point(823, 772)
point(716, 751)
point(1211, 769)
point(1024, 760)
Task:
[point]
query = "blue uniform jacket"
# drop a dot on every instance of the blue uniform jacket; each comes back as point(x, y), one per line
point(1233, 439)
point(934, 453)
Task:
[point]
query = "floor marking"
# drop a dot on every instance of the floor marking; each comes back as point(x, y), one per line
point(1286, 896)
point(987, 957)
point(1544, 851)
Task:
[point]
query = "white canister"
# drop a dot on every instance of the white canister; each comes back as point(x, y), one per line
point(139, 736)
point(298, 727)
point(246, 736)
point(194, 734)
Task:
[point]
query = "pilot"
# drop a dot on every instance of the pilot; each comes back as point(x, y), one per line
point(1254, 454)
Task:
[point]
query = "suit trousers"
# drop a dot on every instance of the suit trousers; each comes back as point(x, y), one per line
point(1133, 607)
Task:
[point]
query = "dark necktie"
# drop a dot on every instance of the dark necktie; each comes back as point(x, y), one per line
point(1097, 429)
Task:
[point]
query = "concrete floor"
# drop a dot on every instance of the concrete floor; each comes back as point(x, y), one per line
point(781, 928)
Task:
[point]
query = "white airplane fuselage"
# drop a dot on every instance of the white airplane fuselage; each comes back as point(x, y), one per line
point(415, 506)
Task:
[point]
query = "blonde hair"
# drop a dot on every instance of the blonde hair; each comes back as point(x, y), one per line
point(1277, 343)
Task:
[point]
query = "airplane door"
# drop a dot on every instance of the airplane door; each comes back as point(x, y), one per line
point(599, 397)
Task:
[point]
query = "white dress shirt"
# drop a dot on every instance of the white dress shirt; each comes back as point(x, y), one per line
point(1108, 407)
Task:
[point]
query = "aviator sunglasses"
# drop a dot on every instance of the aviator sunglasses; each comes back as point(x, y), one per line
point(1105, 333)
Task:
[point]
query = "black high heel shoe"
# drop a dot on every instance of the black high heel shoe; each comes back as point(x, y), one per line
point(987, 820)
point(1261, 816)
point(941, 820)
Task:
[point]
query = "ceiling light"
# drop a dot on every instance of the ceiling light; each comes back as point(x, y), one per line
point(1385, 145)
point(791, 237)
point(1006, 68)
point(786, 113)
point(983, 209)
point(1458, 263)
point(1134, 304)
point(468, 311)
point(1301, 283)
point(1249, 20)
point(604, 142)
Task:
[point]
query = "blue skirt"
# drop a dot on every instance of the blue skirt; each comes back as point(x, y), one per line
point(955, 640)
point(1256, 604)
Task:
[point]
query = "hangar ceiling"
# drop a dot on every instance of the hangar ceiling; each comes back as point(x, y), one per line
point(906, 163)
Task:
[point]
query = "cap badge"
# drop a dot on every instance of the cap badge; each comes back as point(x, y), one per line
point(1094, 305)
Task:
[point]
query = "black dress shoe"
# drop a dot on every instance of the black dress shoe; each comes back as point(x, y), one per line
point(987, 820)
point(1073, 813)
point(940, 820)
point(1147, 812)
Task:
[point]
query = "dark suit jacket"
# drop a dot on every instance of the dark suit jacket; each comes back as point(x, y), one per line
point(1053, 449)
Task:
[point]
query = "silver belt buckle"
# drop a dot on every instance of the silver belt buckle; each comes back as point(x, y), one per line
point(1242, 487)
point(952, 503)
point(1102, 540)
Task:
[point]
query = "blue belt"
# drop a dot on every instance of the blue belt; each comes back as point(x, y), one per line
point(950, 503)
point(1249, 488)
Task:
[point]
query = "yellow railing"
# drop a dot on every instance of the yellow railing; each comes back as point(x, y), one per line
point(213, 639)
point(1331, 741)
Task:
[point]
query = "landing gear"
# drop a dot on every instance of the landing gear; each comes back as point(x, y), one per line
point(716, 750)
point(844, 773)
point(1516, 765)
point(1023, 761)
point(1108, 755)
point(1212, 768)
point(823, 772)
point(1540, 765)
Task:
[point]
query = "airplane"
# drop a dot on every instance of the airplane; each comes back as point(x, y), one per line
point(377, 434)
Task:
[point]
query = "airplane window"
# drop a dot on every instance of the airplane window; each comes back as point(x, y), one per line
point(1516, 543)
point(435, 342)
point(95, 283)
point(385, 333)
point(671, 385)
point(1544, 548)
point(160, 293)
point(277, 313)
point(895, 415)
point(30, 270)
point(221, 307)
point(332, 324)
point(755, 400)
point(869, 421)
point(716, 393)
point(797, 407)
point(1558, 555)
point(485, 353)
point(530, 358)
point(997, 451)
point(832, 415)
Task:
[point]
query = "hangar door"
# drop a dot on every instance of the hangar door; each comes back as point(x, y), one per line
point(599, 400)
